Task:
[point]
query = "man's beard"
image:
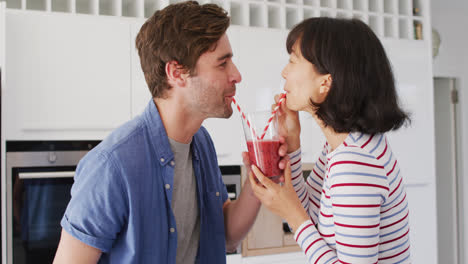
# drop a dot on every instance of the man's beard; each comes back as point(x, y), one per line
point(202, 102)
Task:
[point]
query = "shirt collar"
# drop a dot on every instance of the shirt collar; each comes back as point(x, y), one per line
point(159, 138)
point(158, 135)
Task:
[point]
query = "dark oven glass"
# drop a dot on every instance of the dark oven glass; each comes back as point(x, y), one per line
point(38, 207)
point(39, 177)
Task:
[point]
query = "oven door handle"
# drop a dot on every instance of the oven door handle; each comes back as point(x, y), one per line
point(46, 175)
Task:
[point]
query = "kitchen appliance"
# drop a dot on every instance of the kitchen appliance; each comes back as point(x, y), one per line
point(232, 180)
point(39, 176)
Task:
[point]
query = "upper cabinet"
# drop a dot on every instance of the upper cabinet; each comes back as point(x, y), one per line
point(68, 76)
point(140, 92)
point(414, 144)
point(2, 44)
point(79, 76)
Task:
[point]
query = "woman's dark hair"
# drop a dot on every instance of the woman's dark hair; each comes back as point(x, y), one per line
point(362, 96)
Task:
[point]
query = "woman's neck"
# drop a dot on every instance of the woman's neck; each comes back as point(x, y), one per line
point(334, 139)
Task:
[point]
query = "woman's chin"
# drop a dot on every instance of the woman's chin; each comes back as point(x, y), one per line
point(291, 106)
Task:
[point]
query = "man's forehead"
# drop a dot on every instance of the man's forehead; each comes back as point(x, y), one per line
point(222, 50)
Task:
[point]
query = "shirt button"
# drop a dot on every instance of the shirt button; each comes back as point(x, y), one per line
point(172, 230)
point(162, 159)
point(217, 193)
point(168, 186)
point(172, 163)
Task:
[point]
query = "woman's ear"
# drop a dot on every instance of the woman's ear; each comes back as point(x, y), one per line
point(325, 85)
point(176, 74)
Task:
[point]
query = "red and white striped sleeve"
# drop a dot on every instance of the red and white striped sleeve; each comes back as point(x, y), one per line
point(355, 188)
point(309, 191)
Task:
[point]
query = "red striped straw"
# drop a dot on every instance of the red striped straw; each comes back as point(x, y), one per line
point(273, 114)
point(244, 117)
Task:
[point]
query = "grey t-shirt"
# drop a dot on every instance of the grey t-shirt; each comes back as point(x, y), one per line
point(184, 204)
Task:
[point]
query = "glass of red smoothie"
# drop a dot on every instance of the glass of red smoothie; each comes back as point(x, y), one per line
point(263, 152)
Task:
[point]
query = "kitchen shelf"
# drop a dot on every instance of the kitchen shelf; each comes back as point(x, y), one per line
point(394, 19)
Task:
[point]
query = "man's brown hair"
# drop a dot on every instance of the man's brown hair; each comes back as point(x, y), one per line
point(180, 32)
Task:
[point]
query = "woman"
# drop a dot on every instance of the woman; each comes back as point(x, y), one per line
point(352, 208)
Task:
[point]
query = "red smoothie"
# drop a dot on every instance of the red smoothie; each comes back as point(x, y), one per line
point(264, 154)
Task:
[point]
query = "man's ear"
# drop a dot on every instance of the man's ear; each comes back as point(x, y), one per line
point(176, 74)
point(325, 85)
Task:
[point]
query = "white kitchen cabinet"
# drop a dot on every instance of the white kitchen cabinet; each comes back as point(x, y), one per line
point(263, 56)
point(140, 92)
point(2, 133)
point(2, 38)
point(414, 145)
point(423, 225)
point(68, 76)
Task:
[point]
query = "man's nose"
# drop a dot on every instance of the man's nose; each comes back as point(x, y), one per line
point(235, 75)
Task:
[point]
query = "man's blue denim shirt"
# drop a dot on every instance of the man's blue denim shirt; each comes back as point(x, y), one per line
point(121, 198)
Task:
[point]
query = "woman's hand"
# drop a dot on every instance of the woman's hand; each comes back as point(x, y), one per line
point(282, 152)
point(281, 199)
point(288, 125)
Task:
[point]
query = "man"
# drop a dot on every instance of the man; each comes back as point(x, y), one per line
point(152, 191)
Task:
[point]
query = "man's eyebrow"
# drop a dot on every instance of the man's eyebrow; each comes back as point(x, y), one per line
point(226, 56)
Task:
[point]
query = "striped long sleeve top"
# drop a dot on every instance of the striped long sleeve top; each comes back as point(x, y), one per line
point(357, 204)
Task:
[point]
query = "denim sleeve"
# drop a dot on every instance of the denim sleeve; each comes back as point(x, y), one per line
point(222, 187)
point(98, 208)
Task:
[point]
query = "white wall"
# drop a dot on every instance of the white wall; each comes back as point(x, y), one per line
point(450, 20)
point(2, 141)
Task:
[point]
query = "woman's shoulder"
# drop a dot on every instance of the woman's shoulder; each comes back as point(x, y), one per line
point(359, 149)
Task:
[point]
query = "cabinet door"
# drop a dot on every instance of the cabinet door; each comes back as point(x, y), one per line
point(267, 235)
point(68, 76)
point(2, 37)
point(140, 92)
point(414, 145)
point(263, 56)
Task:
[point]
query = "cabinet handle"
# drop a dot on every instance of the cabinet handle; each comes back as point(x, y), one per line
point(46, 175)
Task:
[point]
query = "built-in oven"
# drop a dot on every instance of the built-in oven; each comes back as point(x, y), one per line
point(39, 176)
point(232, 180)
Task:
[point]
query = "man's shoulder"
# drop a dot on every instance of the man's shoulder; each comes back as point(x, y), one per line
point(128, 137)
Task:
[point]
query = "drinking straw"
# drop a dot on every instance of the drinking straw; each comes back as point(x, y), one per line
point(244, 117)
point(273, 114)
